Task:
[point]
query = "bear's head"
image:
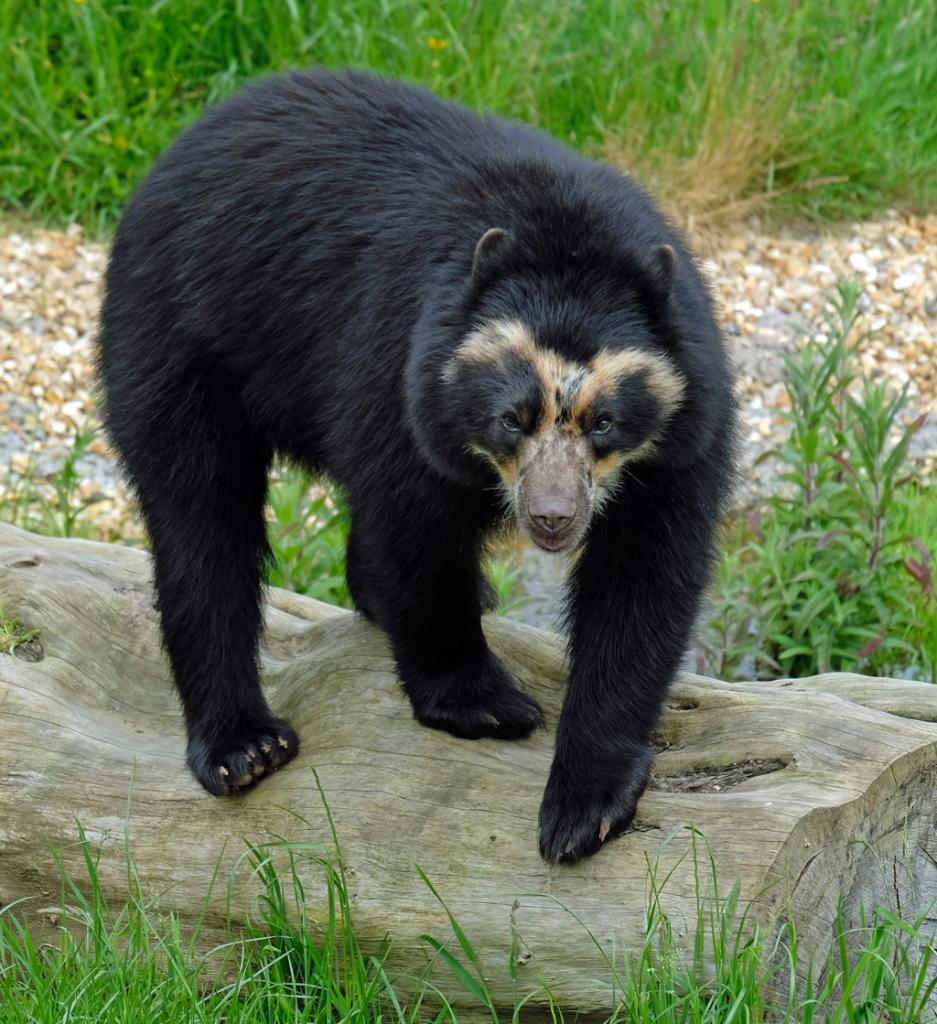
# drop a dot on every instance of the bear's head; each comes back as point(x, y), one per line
point(552, 379)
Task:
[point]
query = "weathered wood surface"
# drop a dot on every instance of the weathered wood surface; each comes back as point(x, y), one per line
point(845, 802)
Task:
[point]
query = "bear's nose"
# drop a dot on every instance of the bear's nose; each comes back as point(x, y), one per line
point(552, 512)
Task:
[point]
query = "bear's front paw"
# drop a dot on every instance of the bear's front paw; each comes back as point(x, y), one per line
point(587, 803)
point(229, 762)
point(472, 703)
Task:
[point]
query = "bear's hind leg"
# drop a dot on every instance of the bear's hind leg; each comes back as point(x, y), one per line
point(356, 576)
point(201, 480)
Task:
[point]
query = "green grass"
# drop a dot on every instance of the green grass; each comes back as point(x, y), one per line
point(825, 109)
point(298, 962)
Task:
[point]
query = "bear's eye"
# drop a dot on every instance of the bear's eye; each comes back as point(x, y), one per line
point(602, 425)
point(510, 422)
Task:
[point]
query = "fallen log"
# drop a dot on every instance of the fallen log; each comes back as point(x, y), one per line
point(804, 791)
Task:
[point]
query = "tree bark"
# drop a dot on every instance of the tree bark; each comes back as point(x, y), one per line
point(804, 791)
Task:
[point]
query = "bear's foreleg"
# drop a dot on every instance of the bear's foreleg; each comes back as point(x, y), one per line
point(633, 599)
point(417, 565)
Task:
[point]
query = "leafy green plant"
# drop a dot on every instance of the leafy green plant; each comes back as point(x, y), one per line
point(308, 535)
point(916, 516)
point(55, 507)
point(64, 513)
point(823, 578)
point(503, 573)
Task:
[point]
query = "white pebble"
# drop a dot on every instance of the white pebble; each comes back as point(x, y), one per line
point(904, 281)
point(74, 410)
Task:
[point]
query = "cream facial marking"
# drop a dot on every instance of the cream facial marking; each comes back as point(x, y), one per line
point(606, 469)
point(491, 342)
point(608, 369)
point(570, 389)
point(496, 340)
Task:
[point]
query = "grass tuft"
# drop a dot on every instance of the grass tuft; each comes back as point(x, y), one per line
point(13, 634)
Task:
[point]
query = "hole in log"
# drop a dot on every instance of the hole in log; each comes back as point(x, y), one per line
point(29, 650)
point(714, 780)
point(642, 826)
point(26, 562)
point(683, 704)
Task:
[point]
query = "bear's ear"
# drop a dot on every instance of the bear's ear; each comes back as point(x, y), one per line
point(663, 269)
point(490, 247)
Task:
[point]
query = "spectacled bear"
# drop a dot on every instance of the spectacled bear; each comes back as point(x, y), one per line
point(461, 321)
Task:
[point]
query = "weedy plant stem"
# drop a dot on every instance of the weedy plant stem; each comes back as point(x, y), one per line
point(822, 578)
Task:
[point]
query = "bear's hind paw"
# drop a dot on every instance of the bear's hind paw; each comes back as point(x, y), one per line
point(506, 714)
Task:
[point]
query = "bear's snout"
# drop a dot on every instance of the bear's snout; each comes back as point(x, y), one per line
point(552, 513)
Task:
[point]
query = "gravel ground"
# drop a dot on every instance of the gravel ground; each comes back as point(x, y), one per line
point(769, 288)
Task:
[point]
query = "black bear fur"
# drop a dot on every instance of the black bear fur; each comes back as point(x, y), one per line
point(291, 278)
